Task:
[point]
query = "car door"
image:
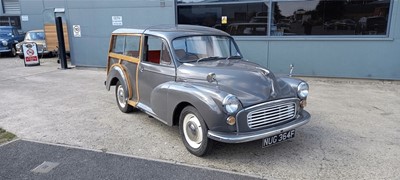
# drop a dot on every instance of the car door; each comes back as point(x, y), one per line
point(156, 69)
point(124, 53)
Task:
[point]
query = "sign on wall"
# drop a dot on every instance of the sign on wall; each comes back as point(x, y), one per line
point(24, 18)
point(31, 57)
point(116, 20)
point(224, 20)
point(77, 30)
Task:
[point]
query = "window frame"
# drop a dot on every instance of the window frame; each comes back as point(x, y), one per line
point(268, 36)
point(163, 43)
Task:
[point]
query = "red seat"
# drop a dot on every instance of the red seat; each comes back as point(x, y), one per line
point(153, 56)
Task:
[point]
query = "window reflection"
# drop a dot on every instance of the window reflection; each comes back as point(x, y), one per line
point(369, 17)
point(289, 18)
point(241, 18)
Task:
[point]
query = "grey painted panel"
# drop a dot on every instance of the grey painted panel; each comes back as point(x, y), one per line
point(359, 59)
point(31, 7)
point(89, 51)
point(51, 4)
point(96, 27)
point(35, 22)
point(254, 51)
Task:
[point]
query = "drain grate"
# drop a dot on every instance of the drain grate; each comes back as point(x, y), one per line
point(45, 167)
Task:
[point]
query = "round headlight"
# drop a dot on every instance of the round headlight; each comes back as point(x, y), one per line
point(18, 46)
point(231, 103)
point(302, 90)
point(5, 43)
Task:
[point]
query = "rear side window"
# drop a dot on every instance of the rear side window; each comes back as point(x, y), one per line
point(132, 46)
point(118, 44)
point(126, 45)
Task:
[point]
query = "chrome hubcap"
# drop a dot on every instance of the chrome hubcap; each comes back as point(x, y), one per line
point(121, 96)
point(192, 130)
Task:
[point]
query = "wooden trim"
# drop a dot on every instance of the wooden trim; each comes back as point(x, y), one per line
point(133, 103)
point(124, 57)
point(127, 79)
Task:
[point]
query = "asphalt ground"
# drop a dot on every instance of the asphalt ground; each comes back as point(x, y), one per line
point(354, 132)
point(31, 160)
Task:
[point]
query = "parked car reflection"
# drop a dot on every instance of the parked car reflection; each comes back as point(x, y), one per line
point(345, 24)
point(247, 29)
point(38, 37)
point(371, 25)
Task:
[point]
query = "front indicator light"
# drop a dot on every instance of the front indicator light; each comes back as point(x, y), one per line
point(231, 120)
point(303, 103)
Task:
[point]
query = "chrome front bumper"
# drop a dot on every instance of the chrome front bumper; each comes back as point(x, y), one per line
point(232, 137)
point(5, 50)
point(39, 52)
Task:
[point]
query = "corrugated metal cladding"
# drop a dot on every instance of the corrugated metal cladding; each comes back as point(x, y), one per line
point(11, 7)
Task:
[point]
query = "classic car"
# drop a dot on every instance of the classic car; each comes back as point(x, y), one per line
point(9, 37)
point(195, 77)
point(38, 37)
point(371, 25)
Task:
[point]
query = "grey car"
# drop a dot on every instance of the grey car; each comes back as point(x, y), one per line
point(195, 77)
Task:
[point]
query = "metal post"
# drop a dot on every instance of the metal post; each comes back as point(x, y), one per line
point(61, 44)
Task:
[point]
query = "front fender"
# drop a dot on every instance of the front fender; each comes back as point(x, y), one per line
point(207, 100)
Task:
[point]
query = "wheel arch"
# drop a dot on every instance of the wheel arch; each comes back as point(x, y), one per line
point(182, 95)
point(177, 112)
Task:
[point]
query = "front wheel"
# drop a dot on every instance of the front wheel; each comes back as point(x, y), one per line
point(122, 99)
point(13, 52)
point(193, 132)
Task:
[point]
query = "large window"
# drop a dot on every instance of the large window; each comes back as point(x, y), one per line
point(350, 18)
point(10, 21)
point(238, 18)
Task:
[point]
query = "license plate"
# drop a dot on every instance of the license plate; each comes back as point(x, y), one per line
point(278, 138)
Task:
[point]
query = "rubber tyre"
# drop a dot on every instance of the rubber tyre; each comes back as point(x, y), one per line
point(206, 144)
point(123, 106)
point(21, 56)
point(13, 52)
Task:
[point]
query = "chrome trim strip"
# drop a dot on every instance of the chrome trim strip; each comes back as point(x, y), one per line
point(233, 137)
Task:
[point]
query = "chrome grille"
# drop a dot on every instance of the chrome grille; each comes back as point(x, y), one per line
point(40, 48)
point(268, 116)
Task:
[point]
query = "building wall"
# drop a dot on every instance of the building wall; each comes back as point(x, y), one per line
point(376, 58)
point(372, 58)
point(95, 20)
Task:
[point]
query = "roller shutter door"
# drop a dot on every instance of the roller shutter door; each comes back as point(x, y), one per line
point(11, 7)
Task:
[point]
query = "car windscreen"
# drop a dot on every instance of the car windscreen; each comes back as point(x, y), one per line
point(195, 48)
point(5, 32)
point(35, 36)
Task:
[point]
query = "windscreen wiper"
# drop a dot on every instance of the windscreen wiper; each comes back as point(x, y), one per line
point(209, 58)
point(234, 57)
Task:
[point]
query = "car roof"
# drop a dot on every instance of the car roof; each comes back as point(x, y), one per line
point(171, 32)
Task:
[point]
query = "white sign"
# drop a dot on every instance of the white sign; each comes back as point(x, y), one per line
point(24, 18)
point(116, 20)
point(31, 57)
point(77, 30)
